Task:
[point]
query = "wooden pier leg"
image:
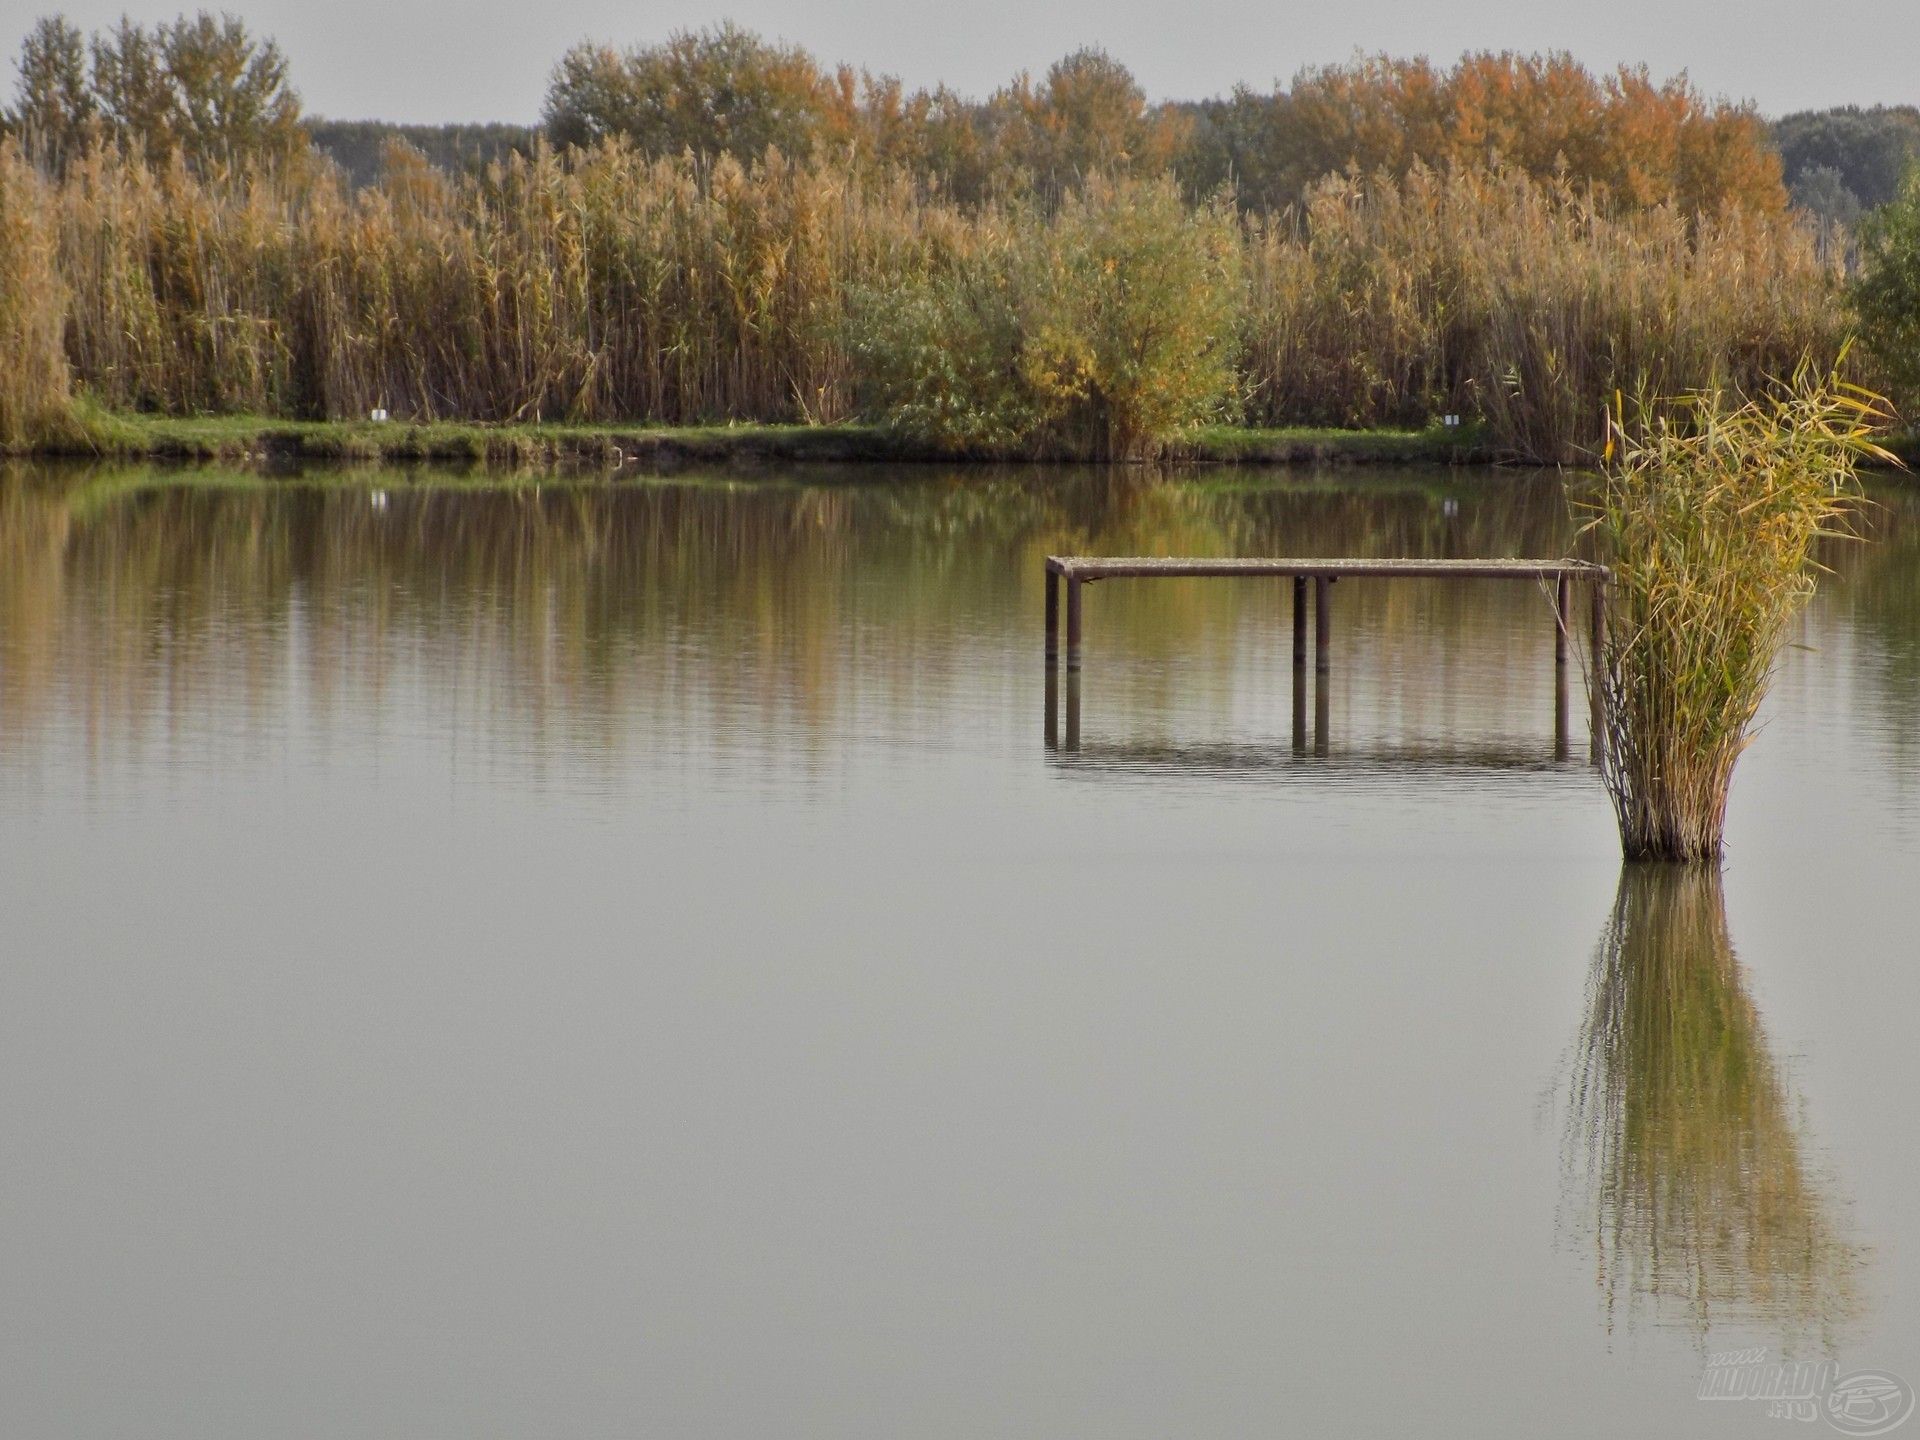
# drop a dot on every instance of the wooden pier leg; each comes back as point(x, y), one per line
point(1073, 708)
point(1562, 716)
point(1561, 615)
point(1597, 693)
point(1562, 712)
point(1322, 621)
point(1299, 620)
point(1322, 714)
point(1073, 622)
point(1299, 664)
point(1053, 618)
point(1053, 706)
point(1299, 707)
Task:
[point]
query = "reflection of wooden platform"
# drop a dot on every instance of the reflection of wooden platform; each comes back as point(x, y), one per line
point(1079, 570)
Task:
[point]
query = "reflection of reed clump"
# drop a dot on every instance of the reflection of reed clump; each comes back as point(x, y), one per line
point(1702, 1197)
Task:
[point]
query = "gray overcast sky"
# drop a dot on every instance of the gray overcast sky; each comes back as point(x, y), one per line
point(489, 59)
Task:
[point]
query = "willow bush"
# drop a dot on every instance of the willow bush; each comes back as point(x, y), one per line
point(1708, 514)
point(1136, 342)
point(1107, 328)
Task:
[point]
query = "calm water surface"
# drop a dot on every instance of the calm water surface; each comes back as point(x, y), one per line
point(586, 959)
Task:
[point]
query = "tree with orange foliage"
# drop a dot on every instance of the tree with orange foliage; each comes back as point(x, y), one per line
point(1642, 143)
point(722, 90)
point(1087, 116)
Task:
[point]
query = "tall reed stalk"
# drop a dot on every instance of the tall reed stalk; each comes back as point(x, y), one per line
point(1708, 513)
point(34, 378)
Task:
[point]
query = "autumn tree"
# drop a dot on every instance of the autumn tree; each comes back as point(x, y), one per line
point(728, 90)
point(1240, 143)
point(1087, 116)
point(199, 86)
point(1105, 326)
point(720, 90)
point(1642, 142)
point(54, 107)
point(954, 153)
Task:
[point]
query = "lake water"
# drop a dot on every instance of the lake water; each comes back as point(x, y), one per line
point(623, 959)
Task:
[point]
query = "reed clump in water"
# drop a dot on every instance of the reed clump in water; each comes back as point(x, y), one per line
point(1708, 513)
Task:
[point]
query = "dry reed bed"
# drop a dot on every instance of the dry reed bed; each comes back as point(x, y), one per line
point(603, 286)
point(1492, 295)
point(34, 378)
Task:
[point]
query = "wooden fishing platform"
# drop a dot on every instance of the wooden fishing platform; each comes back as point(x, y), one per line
point(1079, 571)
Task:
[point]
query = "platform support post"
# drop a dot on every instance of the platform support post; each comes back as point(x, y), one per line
point(1073, 622)
point(1053, 617)
point(1322, 621)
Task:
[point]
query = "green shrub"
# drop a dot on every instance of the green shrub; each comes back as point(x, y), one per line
point(1138, 303)
point(939, 352)
point(1108, 330)
point(1886, 289)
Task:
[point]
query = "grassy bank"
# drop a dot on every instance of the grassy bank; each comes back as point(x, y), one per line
point(266, 441)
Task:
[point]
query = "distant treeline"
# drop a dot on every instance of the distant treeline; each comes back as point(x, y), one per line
point(1837, 164)
point(1841, 163)
point(203, 87)
point(359, 147)
point(1637, 141)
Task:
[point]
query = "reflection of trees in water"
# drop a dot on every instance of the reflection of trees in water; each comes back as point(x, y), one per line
point(1682, 1143)
point(133, 593)
point(1880, 590)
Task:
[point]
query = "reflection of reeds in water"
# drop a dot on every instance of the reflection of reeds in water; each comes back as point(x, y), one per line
point(1879, 586)
point(1694, 1173)
point(578, 615)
